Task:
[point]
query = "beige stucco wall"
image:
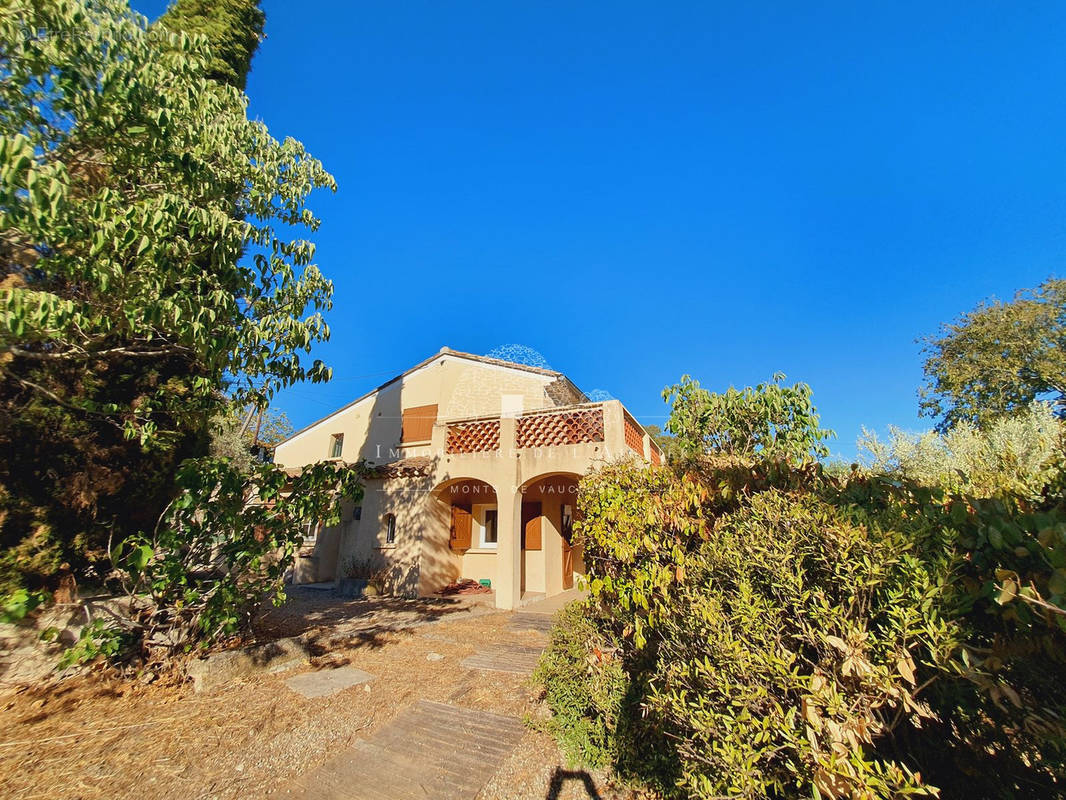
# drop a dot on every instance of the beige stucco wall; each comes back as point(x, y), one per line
point(478, 564)
point(421, 558)
point(459, 387)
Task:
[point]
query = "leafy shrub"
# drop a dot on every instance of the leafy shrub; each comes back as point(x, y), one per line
point(797, 639)
point(586, 688)
point(222, 548)
point(785, 633)
point(17, 605)
point(1017, 455)
point(770, 420)
point(98, 639)
point(777, 636)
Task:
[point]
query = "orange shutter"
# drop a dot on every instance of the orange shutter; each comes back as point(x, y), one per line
point(531, 525)
point(418, 423)
point(460, 527)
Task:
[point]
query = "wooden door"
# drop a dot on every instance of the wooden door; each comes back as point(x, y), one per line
point(531, 513)
point(461, 527)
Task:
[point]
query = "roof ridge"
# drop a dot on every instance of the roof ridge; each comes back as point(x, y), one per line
point(499, 361)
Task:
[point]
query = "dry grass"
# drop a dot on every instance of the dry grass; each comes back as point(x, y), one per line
point(98, 736)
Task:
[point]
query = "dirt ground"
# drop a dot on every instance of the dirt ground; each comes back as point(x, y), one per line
point(102, 737)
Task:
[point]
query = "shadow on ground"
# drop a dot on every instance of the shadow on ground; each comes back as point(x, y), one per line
point(562, 776)
point(324, 619)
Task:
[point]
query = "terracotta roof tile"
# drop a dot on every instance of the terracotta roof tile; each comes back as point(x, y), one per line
point(413, 467)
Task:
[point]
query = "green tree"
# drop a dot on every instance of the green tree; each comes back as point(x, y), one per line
point(131, 185)
point(233, 28)
point(771, 420)
point(997, 359)
point(238, 435)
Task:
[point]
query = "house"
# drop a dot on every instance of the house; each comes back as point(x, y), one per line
point(475, 468)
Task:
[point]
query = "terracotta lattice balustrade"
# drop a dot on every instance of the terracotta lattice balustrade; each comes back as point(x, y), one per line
point(552, 430)
point(474, 437)
point(634, 437)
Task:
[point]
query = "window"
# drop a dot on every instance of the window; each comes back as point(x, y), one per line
point(336, 445)
point(390, 529)
point(311, 531)
point(566, 516)
point(489, 529)
point(487, 520)
point(357, 513)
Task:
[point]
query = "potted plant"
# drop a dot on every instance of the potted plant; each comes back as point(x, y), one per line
point(363, 577)
point(378, 580)
point(356, 573)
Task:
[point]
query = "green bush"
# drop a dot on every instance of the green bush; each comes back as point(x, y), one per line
point(784, 633)
point(586, 688)
point(1017, 455)
point(797, 640)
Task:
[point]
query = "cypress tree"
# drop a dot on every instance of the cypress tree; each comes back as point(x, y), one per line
point(234, 29)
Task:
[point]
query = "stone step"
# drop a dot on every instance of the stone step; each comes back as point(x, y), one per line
point(516, 659)
point(429, 751)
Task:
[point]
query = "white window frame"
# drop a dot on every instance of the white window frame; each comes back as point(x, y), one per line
point(311, 531)
point(479, 515)
point(334, 440)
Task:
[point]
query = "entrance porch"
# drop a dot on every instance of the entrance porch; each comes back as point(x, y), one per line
point(519, 539)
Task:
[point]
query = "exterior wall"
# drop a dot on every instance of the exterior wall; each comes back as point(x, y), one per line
point(478, 564)
point(458, 386)
point(533, 571)
point(421, 558)
point(319, 561)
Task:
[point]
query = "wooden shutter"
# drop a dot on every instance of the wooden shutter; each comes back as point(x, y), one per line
point(531, 525)
point(461, 518)
point(418, 423)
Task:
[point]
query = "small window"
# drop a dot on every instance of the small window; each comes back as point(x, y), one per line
point(357, 513)
point(390, 529)
point(311, 531)
point(336, 446)
point(491, 520)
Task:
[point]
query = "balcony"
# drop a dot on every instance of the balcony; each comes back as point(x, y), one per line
point(604, 427)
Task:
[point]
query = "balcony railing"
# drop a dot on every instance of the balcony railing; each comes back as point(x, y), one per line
point(560, 428)
point(476, 436)
point(589, 423)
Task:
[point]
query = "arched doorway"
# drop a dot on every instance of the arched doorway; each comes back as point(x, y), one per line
point(550, 557)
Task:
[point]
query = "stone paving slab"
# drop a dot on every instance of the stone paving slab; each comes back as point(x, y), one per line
point(430, 751)
point(326, 682)
point(505, 658)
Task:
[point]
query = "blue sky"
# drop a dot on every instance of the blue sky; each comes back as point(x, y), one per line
point(642, 190)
